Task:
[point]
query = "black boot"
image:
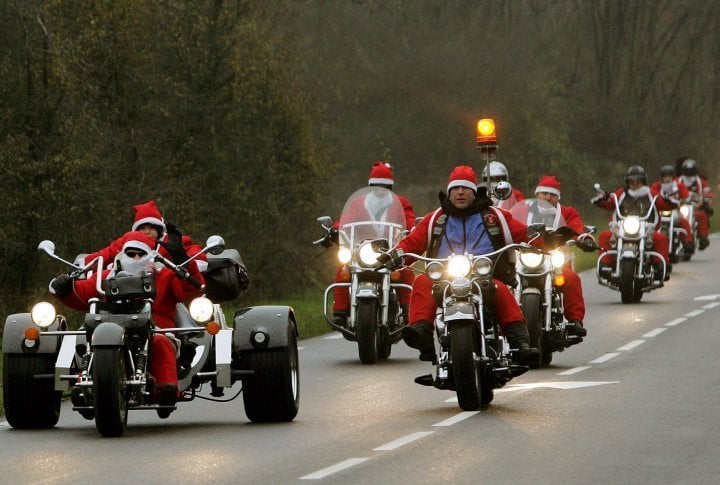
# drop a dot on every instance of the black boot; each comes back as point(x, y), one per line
point(419, 335)
point(704, 243)
point(340, 318)
point(518, 338)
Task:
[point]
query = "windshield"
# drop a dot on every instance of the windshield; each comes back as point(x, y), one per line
point(532, 211)
point(371, 213)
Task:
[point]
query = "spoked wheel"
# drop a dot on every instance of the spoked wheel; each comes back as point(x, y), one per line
point(30, 402)
point(467, 374)
point(109, 392)
point(272, 393)
point(367, 332)
point(531, 304)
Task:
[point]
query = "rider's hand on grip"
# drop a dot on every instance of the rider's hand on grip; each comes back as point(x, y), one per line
point(600, 198)
point(586, 243)
point(390, 260)
point(174, 245)
point(62, 285)
point(333, 234)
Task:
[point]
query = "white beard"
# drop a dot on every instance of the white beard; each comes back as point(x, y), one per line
point(133, 266)
point(641, 192)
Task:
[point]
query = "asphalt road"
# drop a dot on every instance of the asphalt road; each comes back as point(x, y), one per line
point(635, 403)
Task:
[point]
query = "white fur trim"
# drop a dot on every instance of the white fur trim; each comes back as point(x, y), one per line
point(379, 181)
point(549, 190)
point(137, 245)
point(462, 183)
point(148, 220)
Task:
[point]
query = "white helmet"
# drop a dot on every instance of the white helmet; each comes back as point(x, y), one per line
point(498, 172)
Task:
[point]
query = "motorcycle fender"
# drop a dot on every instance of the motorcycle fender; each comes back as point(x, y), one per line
point(65, 358)
point(531, 290)
point(14, 336)
point(108, 334)
point(459, 311)
point(627, 255)
point(273, 320)
point(367, 291)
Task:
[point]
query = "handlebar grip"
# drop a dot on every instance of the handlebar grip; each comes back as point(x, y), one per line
point(195, 282)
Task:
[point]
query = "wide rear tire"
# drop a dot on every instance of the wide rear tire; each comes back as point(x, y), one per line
point(109, 392)
point(531, 304)
point(467, 375)
point(30, 403)
point(272, 393)
point(368, 339)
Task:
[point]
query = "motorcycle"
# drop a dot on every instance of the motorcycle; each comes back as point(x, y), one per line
point(670, 226)
point(632, 271)
point(540, 279)
point(375, 318)
point(103, 364)
point(687, 209)
point(474, 357)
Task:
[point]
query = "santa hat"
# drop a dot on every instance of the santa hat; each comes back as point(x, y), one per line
point(550, 185)
point(148, 213)
point(381, 174)
point(138, 240)
point(463, 176)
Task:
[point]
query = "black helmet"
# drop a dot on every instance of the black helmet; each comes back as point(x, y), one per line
point(667, 170)
point(636, 172)
point(689, 168)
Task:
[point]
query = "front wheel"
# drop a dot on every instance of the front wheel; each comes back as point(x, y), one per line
point(272, 393)
point(109, 392)
point(467, 375)
point(531, 304)
point(627, 281)
point(30, 402)
point(367, 331)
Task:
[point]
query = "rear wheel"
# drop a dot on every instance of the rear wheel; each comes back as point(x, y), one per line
point(367, 334)
point(272, 393)
point(109, 393)
point(467, 376)
point(531, 304)
point(30, 402)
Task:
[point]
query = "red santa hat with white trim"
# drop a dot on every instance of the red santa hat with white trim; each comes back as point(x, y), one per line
point(148, 213)
point(549, 184)
point(381, 174)
point(462, 176)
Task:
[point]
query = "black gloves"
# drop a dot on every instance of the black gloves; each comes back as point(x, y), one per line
point(600, 198)
point(330, 238)
point(558, 237)
point(174, 245)
point(62, 285)
point(586, 244)
point(243, 278)
point(390, 260)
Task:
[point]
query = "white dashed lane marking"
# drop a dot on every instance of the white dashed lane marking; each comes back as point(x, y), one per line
point(343, 465)
point(654, 333)
point(631, 345)
point(604, 358)
point(457, 418)
point(403, 441)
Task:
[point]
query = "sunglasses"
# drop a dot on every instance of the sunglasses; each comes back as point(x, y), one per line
point(133, 253)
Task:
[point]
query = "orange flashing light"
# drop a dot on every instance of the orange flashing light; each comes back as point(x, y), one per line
point(213, 328)
point(395, 276)
point(486, 134)
point(559, 280)
point(32, 333)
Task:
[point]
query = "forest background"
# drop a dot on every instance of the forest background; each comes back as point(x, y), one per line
point(251, 118)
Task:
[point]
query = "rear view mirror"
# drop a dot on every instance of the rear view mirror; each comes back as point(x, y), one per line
point(47, 247)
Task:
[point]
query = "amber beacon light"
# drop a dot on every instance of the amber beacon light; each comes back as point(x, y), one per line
point(486, 134)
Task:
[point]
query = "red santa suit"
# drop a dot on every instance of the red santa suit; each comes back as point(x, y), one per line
point(700, 193)
point(170, 290)
point(676, 190)
point(362, 209)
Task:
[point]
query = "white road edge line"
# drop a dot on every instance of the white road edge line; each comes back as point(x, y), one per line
point(711, 305)
point(675, 322)
point(694, 313)
point(631, 345)
point(333, 469)
point(655, 332)
point(403, 441)
point(574, 370)
point(604, 358)
point(457, 418)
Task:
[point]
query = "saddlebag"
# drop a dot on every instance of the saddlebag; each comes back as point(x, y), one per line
point(122, 288)
point(223, 280)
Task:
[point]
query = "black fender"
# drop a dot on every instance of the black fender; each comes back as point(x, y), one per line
point(14, 335)
point(272, 320)
point(108, 334)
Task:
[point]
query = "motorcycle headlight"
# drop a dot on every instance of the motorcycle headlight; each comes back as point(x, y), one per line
point(483, 266)
point(434, 270)
point(557, 258)
point(685, 210)
point(459, 266)
point(631, 225)
point(344, 255)
point(368, 256)
point(43, 314)
point(201, 309)
point(531, 259)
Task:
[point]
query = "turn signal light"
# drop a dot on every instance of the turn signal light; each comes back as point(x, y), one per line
point(486, 134)
point(32, 333)
point(395, 276)
point(213, 328)
point(559, 280)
